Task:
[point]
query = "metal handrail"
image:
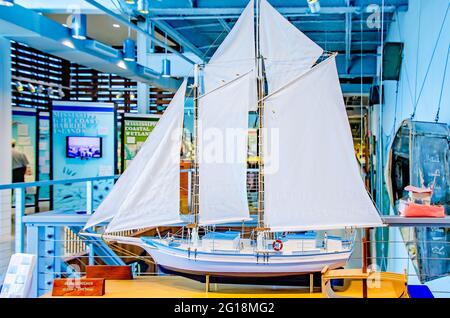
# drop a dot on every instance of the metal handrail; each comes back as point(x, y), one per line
point(43, 183)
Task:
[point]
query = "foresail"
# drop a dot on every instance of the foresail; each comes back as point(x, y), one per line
point(229, 93)
point(287, 52)
point(148, 192)
point(315, 183)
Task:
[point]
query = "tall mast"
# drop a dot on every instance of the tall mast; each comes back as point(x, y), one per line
point(195, 176)
point(260, 94)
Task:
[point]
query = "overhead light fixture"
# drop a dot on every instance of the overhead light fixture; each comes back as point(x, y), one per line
point(31, 88)
point(129, 47)
point(122, 65)
point(115, 25)
point(165, 67)
point(142, 6)
point(129, 1)
point(68, 43)
point(40, 89)
point(314, 6)
point(19, 87)
point(7, 3)
point(129, 50)
point(119, 96)
point(132, 96)
point(165, 62)
point(61, 92)
point(78, 27)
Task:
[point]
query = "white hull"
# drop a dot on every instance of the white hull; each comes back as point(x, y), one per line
point(239, 264)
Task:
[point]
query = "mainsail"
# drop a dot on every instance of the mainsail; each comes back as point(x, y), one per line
point(317, 184)
point(148, 192)
point(229, 91)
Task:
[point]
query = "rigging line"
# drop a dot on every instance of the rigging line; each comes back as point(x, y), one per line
point(114, 3)
point(327, 60)
point(436, 119)
point(389, 137)
point(362, 141)
point(431, 62)
point(417, 48)
point(207, 51)
point(404, 58)
point(224, 85)
point(380, 141)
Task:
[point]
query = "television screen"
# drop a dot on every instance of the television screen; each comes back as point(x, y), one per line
point(83, 147)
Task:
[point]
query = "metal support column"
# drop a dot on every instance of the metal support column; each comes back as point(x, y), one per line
point(19, 213)
point(5, 149)
point(33, 248)
point(144, 46)
point(90, 210)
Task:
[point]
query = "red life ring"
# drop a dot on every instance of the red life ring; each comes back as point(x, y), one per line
point(277, 245)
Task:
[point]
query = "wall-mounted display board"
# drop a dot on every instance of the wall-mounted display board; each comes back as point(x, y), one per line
point(135, 130)
point(83, 145)
point(44, 153)
point(420, 157)
point(24, 133)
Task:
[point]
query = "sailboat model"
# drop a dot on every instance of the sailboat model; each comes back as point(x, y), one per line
point(308, 182)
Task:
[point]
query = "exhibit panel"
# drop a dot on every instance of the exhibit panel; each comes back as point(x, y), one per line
point(84, 145)
point(135, 130)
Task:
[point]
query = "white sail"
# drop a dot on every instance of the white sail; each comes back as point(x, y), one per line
point(229, 91)
point(287, 52)
point(236, 54)
point(148, 192)
point(223, 122)
point(317, 184)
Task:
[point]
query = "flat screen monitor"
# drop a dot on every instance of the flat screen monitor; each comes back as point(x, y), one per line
point(83, 147)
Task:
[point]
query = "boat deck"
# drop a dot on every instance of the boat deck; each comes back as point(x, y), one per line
point(246, 247)
point(181, 287)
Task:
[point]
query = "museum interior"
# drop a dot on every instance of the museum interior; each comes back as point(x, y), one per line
point(119, 178)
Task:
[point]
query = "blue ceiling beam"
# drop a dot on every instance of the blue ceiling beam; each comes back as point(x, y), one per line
point(355, 89)
point(192, 13)
point(179, 38)
point(29, 27)
point(137, 29)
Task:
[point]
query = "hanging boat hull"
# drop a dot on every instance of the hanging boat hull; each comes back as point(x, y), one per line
point(229, 264)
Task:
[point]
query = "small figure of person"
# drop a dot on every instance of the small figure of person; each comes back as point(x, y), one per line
point(20, 164)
